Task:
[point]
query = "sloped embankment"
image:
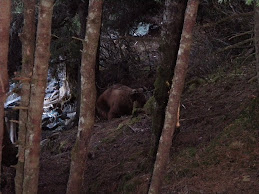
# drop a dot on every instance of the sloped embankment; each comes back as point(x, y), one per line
point(215, 151)
point(221, 153)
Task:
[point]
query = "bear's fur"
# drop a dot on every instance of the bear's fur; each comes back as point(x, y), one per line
point(118, 100)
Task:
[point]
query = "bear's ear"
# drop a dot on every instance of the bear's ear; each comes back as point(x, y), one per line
point(139, 90)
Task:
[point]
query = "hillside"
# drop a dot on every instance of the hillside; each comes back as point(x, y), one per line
point(216, 150)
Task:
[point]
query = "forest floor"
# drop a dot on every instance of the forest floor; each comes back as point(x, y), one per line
point(216, 150)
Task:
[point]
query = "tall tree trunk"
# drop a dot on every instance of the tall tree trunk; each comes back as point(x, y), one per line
point(88, 98)
point(5, 18)
point(174, 97)
point(28, 42)
point(170, 39)
point(38, 86)
point(256, 39)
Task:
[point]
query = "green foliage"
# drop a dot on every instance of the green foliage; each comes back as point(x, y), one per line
point(63, 44)
point(65, 48)
point(249, 2)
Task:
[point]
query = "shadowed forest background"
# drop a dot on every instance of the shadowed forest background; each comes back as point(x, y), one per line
point(215, 150)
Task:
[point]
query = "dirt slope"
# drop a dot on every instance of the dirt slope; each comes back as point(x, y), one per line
point(216, 150)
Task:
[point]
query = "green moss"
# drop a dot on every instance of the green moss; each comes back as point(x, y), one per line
point(192, 151)
point(136, 111)
point(126, 186)
point(94, 188)
point(109, 139)
point(149, 107)
point(134, 120)
point(215, 78)
point(185, 172)
point(129, 188)
point(188, 152)
point(195, 83)
point(130, 183)
point(113, 136)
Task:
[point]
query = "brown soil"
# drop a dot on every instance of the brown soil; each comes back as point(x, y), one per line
point(200, 161)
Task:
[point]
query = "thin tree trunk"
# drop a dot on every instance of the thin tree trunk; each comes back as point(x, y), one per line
point(256, 39)
point(28, 42)
point(38, 86)
point(174, 98)
point(88, 98)
point(5, 18)
point(173, 18)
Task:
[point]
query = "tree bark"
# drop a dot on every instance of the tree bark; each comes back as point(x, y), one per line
point(88, 98)
point(28, 48)
point(38, 86)
point(173, 18)
point(5, 18)
point(256, 39)
point(174, 98)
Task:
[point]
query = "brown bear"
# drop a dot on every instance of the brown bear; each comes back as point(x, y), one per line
point(118, 100)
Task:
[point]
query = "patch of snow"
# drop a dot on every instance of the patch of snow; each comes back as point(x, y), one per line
point(12, 100)
point(57, 91)
point(141, 30)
